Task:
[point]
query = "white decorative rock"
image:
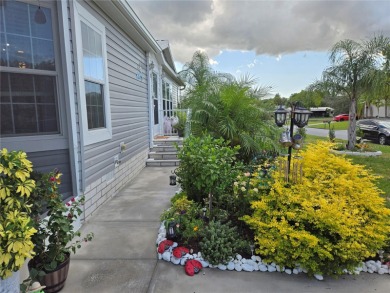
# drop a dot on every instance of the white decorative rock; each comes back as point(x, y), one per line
point(187, 255)
point(230, 266)
point(271, 269)
point(295, 271)
point(235, 261)
point(199, 254)
point(247, 267)
point(250, 262)
point(304, 270)
point(175, 245)
point(288, 271)
point(258, 258)
point(364, 268)
point(238, 257)
point(204, 263)
point(244, 260)
point(238, 267)
point(277, 268)
point(263, 268)
point(318, 277)
point(253, 257)
point(370, 271)
point(166, 256)
point(222, 267)
point(175, 260)
point(256, 266)
point(382, 271)
point(159, 256)
point(183, 261)
point(300, 270)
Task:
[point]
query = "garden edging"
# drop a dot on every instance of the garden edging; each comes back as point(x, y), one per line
point(239, 263)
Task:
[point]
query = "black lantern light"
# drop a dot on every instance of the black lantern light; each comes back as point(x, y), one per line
point(280, 116)
point(301, 116)
point(172, 179)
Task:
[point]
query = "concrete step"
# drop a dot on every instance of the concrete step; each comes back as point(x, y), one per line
point(163, 148)
point(163, 155)
point(162, 163)
point(168, 141)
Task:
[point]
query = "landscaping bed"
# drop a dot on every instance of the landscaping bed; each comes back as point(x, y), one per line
point(323, 219)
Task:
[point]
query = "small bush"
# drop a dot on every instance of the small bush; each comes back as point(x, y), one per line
point(187, 217)
point(220, 243)
point(332, 221)
point(207, 165)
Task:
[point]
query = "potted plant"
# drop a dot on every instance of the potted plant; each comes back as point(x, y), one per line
point(16, 226)
point(56, 237)
point(181, 123)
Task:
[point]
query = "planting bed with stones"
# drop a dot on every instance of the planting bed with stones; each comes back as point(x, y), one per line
point(255, 263)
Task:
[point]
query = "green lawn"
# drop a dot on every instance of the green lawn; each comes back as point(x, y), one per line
point(378, 165)
point(343, 125)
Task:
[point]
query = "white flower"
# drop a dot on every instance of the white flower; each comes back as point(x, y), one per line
point(255, 190)
point(236, 183)
point(243, 188)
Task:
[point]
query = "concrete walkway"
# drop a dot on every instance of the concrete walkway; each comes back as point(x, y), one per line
point(122, 256)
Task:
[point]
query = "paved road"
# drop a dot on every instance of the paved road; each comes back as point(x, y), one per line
point(342, 134)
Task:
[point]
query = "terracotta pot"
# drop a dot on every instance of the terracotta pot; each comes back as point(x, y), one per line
point(54, 280)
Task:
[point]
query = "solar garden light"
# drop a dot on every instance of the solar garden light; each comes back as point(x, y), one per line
point(299, 116)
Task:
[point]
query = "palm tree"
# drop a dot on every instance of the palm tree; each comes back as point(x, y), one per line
point(226, 107)
point(351, 63)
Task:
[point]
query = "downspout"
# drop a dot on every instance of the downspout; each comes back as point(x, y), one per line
point(81, 138)
point(69, 95)
point(148, 85)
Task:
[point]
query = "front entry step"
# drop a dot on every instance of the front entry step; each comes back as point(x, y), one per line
point(164, 153)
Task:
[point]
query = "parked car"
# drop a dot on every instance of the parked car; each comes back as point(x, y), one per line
point(376, 130)
point(341, 117)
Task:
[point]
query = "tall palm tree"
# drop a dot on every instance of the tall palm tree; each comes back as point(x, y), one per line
point(351, 63)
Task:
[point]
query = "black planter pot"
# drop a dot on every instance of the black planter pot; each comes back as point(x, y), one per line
point(54, 280)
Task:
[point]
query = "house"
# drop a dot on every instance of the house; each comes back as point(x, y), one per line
point(380, 110)
point(321, 111)
point(84, 88)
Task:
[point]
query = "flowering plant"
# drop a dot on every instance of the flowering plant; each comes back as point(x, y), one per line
point(16, 227)
point(54, 239)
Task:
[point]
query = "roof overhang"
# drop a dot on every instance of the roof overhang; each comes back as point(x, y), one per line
point(122, 14)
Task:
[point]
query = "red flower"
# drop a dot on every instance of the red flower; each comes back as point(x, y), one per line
point(70, 216)
point(52, 179)
point(72, 199)
point(67, 204)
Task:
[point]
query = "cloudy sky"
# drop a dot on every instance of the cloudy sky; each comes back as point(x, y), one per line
point(282, 43)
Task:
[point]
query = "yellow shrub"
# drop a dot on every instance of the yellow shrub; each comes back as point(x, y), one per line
point(332, 220)
point(15, 223)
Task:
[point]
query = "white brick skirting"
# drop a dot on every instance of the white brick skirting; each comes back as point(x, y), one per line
point(99, 191)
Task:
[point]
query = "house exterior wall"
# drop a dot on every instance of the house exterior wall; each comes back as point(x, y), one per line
point(126, 65)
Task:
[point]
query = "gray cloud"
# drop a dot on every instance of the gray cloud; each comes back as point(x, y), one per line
point(268, 27)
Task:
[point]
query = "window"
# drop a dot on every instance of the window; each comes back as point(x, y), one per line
point(155, 98)
point(93, 78)
point(28, 102)
point(167, 99)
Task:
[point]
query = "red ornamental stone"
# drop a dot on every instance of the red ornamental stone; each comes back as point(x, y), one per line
point(179, 252)
point(164, 245)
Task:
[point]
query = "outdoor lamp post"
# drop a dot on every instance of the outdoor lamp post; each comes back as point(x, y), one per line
point(172, 179)
point(299, 116)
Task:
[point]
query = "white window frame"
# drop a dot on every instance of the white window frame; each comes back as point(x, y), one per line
point(91, 136)
point(44, 142)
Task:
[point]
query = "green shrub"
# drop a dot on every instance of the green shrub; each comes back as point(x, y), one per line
point(332, 221)
point(187, 216)
point(220, 243)
point(207, 166)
